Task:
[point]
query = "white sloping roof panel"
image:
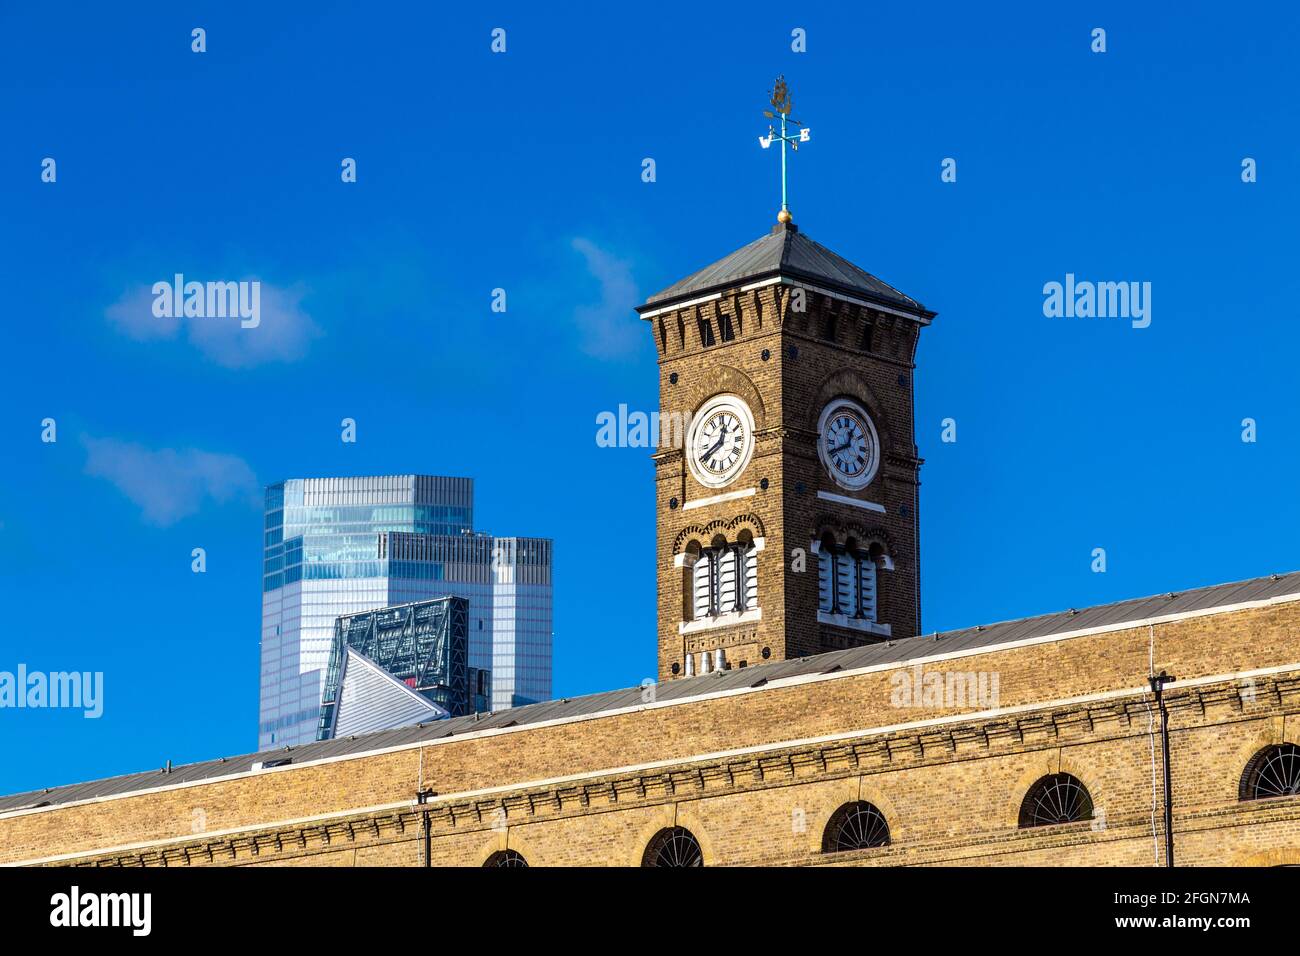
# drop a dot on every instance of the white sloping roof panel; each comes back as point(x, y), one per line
point(370, 699)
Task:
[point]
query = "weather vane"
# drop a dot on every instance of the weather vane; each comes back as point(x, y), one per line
point(782, 103)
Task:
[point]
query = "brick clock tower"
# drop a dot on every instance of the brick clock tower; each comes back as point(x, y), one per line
point(787, 475)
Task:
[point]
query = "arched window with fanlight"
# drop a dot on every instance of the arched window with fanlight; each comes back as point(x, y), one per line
point(1054, 799)
point(1273, 772)
point(505, 858)
point(673, 846)
point(855, 826)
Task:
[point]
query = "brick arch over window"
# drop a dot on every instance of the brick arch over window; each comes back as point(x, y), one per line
point(673, 846)
point(505, 858)
point(730, 528)
point(686, 399)
point(631, 846)
point(1055, 799)
point(858, 825)
point(848, 383)
point(871, 538)
point(1273, 856)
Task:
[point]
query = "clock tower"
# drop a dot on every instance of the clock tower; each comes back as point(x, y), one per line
point(787, 474)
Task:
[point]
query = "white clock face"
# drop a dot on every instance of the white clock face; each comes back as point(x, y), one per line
point(848, 445)
point(721, 441)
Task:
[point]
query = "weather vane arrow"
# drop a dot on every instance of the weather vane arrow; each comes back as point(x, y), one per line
point(782, 103)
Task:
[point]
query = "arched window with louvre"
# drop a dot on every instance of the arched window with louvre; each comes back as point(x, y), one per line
point(724, 579)
point(846, 581)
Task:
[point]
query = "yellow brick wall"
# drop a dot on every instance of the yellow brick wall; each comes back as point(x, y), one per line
point(755, 778)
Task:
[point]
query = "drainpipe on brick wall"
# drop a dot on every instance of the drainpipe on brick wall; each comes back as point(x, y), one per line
point(916, 544)
point(916, 488)
point(426, 847)
point(1158, 683)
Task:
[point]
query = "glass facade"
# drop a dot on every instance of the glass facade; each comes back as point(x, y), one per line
point(424, 645)
point(339, 546)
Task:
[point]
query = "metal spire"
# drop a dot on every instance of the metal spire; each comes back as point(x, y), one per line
point(782, 103)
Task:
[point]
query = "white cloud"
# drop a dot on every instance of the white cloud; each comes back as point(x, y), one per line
point(283, 334)
point(610, 328)
point(169, 484)
point(133, 315)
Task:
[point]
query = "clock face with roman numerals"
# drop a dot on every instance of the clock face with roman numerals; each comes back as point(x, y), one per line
point(847, 444)
point(720, 441)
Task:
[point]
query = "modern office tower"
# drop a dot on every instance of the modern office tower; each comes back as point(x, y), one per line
point(399, 666)
point(521, 621)
point(335, 547)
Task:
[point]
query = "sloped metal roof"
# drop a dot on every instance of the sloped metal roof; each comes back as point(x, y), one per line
point(785, 251)
point(892, 652)
point(370, 698)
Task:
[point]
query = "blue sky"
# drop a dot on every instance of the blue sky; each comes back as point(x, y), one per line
point(522, 171)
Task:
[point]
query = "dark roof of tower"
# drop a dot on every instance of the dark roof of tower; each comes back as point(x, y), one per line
point(785, 251)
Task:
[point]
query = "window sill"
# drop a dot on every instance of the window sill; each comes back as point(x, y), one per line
point(853, 623)
point(722, 620)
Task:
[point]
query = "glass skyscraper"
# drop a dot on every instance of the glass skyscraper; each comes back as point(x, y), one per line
point(339, 546)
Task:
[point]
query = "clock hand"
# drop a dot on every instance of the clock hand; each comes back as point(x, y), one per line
point(716, 445)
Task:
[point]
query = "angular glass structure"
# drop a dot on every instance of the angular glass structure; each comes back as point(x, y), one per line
point(424, 646)
point(335, 547)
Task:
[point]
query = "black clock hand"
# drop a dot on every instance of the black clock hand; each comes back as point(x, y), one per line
point(716, 445)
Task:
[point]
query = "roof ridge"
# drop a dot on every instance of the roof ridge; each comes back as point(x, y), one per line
point(1109, 604)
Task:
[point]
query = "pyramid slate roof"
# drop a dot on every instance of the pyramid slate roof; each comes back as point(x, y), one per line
point(785, 251)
